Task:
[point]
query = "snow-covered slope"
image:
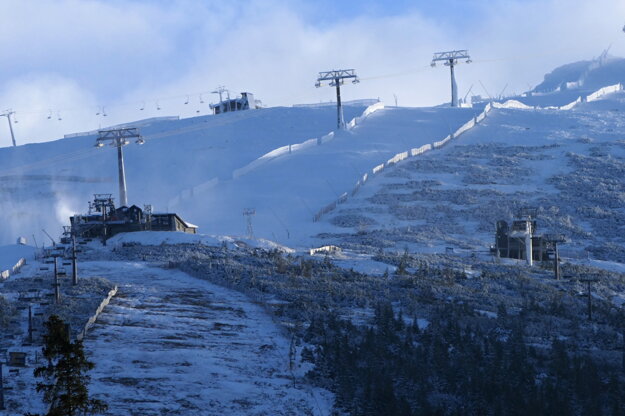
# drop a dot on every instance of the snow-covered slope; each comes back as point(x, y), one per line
point(568, 164)
point(11, 254)
point(42, 184)
point(208, 169)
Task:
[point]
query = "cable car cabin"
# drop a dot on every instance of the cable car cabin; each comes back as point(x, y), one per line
point(245, 102)
point(105, 221)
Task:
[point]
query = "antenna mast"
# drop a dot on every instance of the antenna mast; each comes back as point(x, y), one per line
point(450, 59)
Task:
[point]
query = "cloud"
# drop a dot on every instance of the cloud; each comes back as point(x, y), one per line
point(122, 54)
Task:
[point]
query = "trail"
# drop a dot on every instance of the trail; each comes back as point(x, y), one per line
point(169, 343)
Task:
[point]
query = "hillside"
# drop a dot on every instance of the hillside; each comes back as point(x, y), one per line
point(568, 164)
point(404, 311)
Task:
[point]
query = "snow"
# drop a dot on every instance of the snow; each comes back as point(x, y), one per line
point(179, 158)
point(11, 254)
point(170, 343)
point(155, 238)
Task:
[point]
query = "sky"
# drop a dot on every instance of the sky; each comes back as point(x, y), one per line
point(65, 61)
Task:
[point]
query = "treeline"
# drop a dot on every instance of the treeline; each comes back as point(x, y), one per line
point(391, 367)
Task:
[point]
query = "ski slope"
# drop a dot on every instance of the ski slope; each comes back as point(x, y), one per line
point(42, 184)
point(169, 343)
point(287, 163)
point(568, 164)
point(200, 168)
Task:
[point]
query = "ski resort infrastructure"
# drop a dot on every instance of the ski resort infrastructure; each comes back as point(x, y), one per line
point(398, 189)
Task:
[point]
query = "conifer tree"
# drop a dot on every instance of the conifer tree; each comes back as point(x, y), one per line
point(65, 377)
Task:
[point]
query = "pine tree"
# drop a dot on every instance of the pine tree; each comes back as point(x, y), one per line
point(65, 376)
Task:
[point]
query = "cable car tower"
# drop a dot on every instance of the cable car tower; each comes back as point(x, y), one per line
point(119, 138)
point(8, 115)
point(337, 78)
point(450, 59)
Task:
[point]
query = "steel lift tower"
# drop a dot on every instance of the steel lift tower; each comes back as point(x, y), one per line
point(8, 115)
point(120, 138)
point(337, 77)
point(450, 59)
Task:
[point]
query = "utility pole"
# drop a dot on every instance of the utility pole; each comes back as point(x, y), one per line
point(554, 240)
point(57, 285)
point(248, 213)
point(120, 138)
point(8, 114)
point(74, 262)
point(450, 59)
point(1, 389)
point(337, 78)
point(30, 324)
point(589, 280)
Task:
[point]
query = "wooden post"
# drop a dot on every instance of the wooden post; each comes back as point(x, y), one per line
point(1, 389)
point(57, 290)
point(30, 324)
point(74, 263)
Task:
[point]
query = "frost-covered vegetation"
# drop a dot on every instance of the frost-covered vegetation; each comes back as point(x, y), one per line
point(456, 196)
point(445, 334)
point(7, 313)
point(78, 303)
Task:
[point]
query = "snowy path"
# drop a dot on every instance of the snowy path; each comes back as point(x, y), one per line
point(172, 344)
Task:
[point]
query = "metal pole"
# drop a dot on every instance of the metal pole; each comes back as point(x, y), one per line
point(74, 262)
point(11, 129)
point(57, 293)
point(454, 93)
point(123, 200)
point(30, 324)
point(1, 389)
point(623, 363)
point(589, 303)
point(556, 266)
point(339, 107)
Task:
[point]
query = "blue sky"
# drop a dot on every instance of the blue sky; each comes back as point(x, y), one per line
point(70, 58)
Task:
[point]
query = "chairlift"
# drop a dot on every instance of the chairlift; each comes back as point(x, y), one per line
point(187, 102)
point(15, 119)
point(201, 99)
point(142, 106)
point(58, 116)
point(158, 107)
point(49, 114)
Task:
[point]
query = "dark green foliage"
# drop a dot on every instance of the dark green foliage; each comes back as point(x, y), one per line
point(65, 375)
point(500, 339)
point(392, 368)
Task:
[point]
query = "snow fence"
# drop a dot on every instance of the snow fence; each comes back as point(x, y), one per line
point(581, 99)
point(513, 104)
point(275, 153)
point(290, 148)
point(13, 270)
point(97, 313)
point(400, 157)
